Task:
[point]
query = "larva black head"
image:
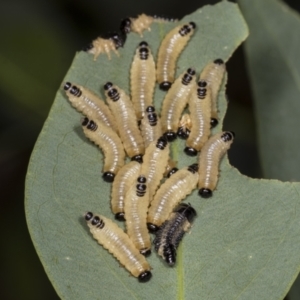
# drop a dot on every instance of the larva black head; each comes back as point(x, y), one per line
point(145, 252)
point(183, 132)
point(190, 151)
point(172, 171)
point(138, 158)
point(170, 136)
point(67, 86)
point(152, 228)
point(187, 211)
point(213, 122)
point(88, 47)
point(125, 25)
point(227, 136)
point(150, 109)
point(188, 76)
point(120, 216)
point(75, 91)
point(145, 276)
point(143, 44)
point(108, 176)
point(97, 222)
point(165, 85)
point(187, 28)
point(202, 83)
point(118, 39)
point(107, 86)
point(162, 142)
point(193, 168)
point(192, 25)
point(205, 193)
point(112, 92)
point(219, 61)
point(169, 254)
point(88, 216)
point(91, 125)
point(142, 179)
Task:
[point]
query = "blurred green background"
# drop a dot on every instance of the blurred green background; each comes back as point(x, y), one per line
point(38, 42)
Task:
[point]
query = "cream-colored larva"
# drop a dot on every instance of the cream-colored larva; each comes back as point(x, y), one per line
point(169, 51)
point(92, 106)
point(150, 126)
point(136, 206)
point(123, 111)
point(209, 160)
point(116, 241)
point(123, 181)
point(213, 74)
point(111, 145)
point(170, 193)
point(142, 79)
point(200, 113)
point(175, 101)
point(184, 127)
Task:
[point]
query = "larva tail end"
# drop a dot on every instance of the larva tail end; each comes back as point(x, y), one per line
point(183, 133)
point(190, 151)
point(145, 252)
point(145, 276)
point(165, 86)
point(138, 158)
point(213, 122)
point(108, 176)
point(205, 193)
point(170, 136)
point(152, 228)
point(120, 216)
point(169, 253)
point(173, 171)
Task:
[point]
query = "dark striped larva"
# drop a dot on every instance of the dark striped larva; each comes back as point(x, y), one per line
point(117, 242)
point(175, 101)
point(122, 109)
point(209, 160)
point(170, 234)
point(123, 181)
point(200, 112)
point(184, 127)
point(169, 51)
point(142, 79)
point(213, 74)
point(170, 193)
point(111, 145)
point(136, 206)
point(90, 104)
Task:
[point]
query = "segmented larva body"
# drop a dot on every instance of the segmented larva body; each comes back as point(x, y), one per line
point(123, 111)
point(185, 125)
point(136, 206)
point(209, 160)
point(200, 112)
point(170, 193)
point(213, 74)
point(123, 181)
point(111, 145)
point(142, 79)
point(90, 104)
point(170, 234)
point(117, 242)
point(169, 51)
point(150, 126)
point(154, 163)
point(175, 101)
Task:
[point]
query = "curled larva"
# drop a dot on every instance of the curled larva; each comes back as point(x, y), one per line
point(136, 206)
point(142, 79)
point(123, 111)
point(170, 193)
point(123, 181)
point(90, 104)
point(150, 126)
point(111, 145)
point(169, 51)
point(200, 112)
point(213, 74)
point(117, 242)
point(184, 127)
point(209, 160)
point(175, 101)
point(170, 234)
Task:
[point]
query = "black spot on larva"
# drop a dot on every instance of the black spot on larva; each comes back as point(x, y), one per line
point(213, 122)
point(228, 136)
point(152, 228)
point(172, 171)
point(113, 94)
point(125, 25)
point(202, 83)
point(191, 71)
point(187, 211)
point(170, 135)
point(145, 276)
point(120, 216)
point(205, 193)
point(169, 253)
point(88, 216)
point(183, 133)
point(192, 25)
point(186, 29)
point(162, 142)
point(88, 47)
point(108, 176)
point(96, 221)
point(75, 91)
point(138, 158)
point(201, 93)
point(67, 86)
point(144, 53)
point(141, 186)
point(150, 109)
point(186, 79)
point(165, 86)
point(193, 168)
point(91, 125)
point(143, 44)
point(219, 61)
point(107, 85)
point(145, 252)
point(152, 117)
point(85, 121)
point(141, 179)
point(190, 151)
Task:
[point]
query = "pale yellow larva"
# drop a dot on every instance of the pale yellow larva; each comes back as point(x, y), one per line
point(117, 242)
point(209, 160)
point(111, 145)
point(123, 111)
point(170, 193)
point(142, 79)
point(200, 113)
point(92, 106)
point(175, 101)
point(171, 47)
point(135, 208)
point(184, 126)
point(123, 181)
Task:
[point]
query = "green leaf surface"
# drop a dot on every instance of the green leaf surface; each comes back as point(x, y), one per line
point(244, 243)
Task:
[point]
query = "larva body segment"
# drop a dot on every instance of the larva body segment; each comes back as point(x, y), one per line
point(142, 79)
point(185, 125)
point(117, 242)
point(171, 47)
point(111, 145)
point(123, 181)
point(93, 107)
point(209, 160)
point(136, 206)
point(170, 193)
point(175, 101)
point(122, 109)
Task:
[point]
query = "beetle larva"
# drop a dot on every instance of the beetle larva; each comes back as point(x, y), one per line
point(171, 168)
point(170, 234)
point(123, 181)
point(169, 51)
point(122, 109)
point(184, 127)
point(175, 101)
point(117, 242)
point(90, 104)
point(209, 160)
point(200, 112)
point(142, 79)
point(213, 74)
point(111, 145)
point(136, 206)
point(170, 193)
